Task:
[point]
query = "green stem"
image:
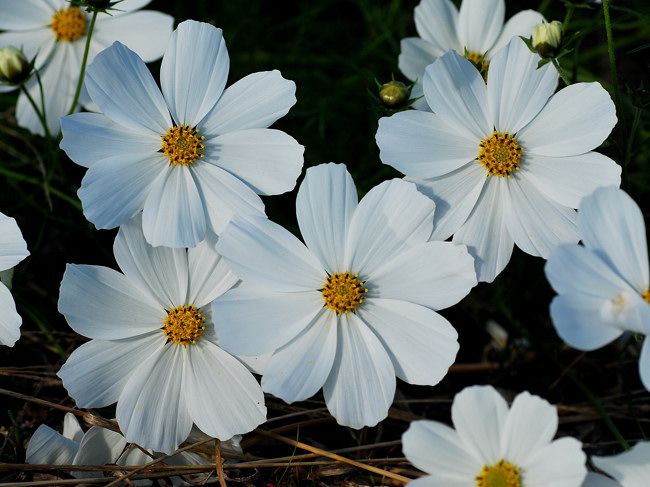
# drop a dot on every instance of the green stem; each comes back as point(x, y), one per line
point(561, 71)
point(55, 192)
point(39, 114)
point(567, 18)
point(82, 73)
point(612, 62)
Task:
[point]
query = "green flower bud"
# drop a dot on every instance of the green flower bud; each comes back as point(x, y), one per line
point(393, 93)
point(547, 38)
point(14, 67)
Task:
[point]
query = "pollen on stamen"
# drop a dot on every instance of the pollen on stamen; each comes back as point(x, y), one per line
point(478, 59)
point(501, 474)
point(69, 24)
point(184, 325)
point(500, 154)
point(183, 145)
point(343, 292)
point(646, 295)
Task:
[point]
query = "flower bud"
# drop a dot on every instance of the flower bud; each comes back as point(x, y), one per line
point(99, 4)
point(547, 38)
point(393, 93)
point(14, 67)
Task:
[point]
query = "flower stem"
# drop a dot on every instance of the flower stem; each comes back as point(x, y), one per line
point(84, 61)
point(39, 114)
point(567, 17)
point(560, 70)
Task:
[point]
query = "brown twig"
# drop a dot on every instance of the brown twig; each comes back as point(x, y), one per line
point(219, 462)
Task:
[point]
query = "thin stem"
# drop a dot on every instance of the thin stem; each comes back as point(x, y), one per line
point(560, 70)
point(39, 114)
point(567, 17)
point(55, 192)
point(40, 89)
point(82, 73)
point(612, 60)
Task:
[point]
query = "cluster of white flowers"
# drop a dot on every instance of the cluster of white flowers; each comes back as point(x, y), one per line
point(211, 291)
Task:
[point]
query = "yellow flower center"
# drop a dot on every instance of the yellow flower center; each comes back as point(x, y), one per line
point(646, 295)
point(184, 325)
point(182, 145)
point(500, 154)
point(478, 59)
point(343, 292)
point(69, 24)
point(501, 474)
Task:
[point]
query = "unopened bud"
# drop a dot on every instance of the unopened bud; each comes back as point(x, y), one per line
point(98, 4)
point(14, 67)
point(393, 93)
point(547, 37)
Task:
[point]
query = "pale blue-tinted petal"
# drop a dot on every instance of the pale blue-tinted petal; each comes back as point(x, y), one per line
point(479, 23)
point(10, 320)
point(435, 21)
point(13, 247)
point(48, 447)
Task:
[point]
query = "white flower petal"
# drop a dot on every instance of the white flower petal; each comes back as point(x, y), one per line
point(437, 481)
point(455, 195)
point(115, 189)
point(146, 33)
point(516, 89)
point(119, 82)
point(264, 254)
point(152, 410)
point(436, 449)
point(224, 195)
point(575, 120)
point(361, 384)
point(255, 101)
point(392, 216)
point(10, 320)
point(25, 15)
point(520, 24)
point(99, 446)
point(596, 480)
point(420, 145)
point(531, 425)
point(561, 464)
point(162, 271)
point(48, 447)
point(325, 204)
point(194, 71)
point(99, 302)
point(479, 23)
point(577, 319)
point(415, 55)
point(435, 21)
point(59, 77)
point(96, 372)
point(249, 321)
point(537, 224)
point(35, 44)
point(479, 428)
point(71, 428)
point(417, 94)
point(224, 398)
point(630, 468)
point(485, 232)
point(268, 160)
point(566, 180)
point(644, 364)
point(13, 247)
point(433, 274)
point(574, 269)
point(173, 214)
point(456, 92)
point(421, 344)
point(612, 225)
point(91, 137)
point(299, 369)
point(209, 275)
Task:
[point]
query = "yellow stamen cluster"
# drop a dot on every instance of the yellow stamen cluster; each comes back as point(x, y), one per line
point(478, 59)
point(500, 154)
point(343, 292)
point(69, 24)
point(501, 474)
point(184, 325)
point(182, 145)
point(646, 295)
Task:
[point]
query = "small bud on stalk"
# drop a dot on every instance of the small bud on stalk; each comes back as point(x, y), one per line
point(547, 37)
point(14, 66)
point(98, 4)
point(393, 94)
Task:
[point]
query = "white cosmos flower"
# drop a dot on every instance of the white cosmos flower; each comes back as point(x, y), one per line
point(154, 350)
point(505, 163)
point(13, 249)
point(477, 30)
point(99, 446)
point(630, 468)
point(54, 32)
point(352, 308)
point(493, 445)
point(603, 286)
point(189, 158)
